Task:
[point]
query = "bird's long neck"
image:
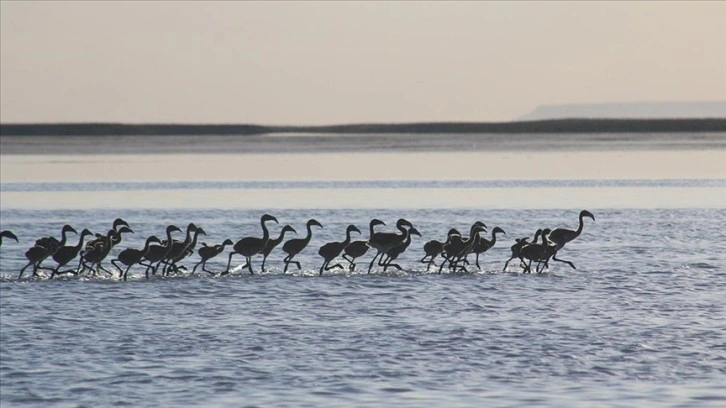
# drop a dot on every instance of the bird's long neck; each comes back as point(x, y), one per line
point(265, 232)
point(580, 227)
point(169, 241)
point(146, 246)
point(63, 238)
point(114, 238)
point(494, 238)
point(347, 238)
point(407, 240)
point(473, 235)
point(370, 229)
point(403, 230)
point(281, 236)
point(194, 239)
point(80, 242)
point(188, 237)
point(309, 234)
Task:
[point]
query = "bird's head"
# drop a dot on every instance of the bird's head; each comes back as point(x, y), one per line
point(313, 221)
point(403, 223)
point(585, 213)
point(375, 222)
point(119, 222)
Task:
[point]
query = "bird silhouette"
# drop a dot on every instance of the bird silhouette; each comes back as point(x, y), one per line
point(332, 249)
point(296, 245)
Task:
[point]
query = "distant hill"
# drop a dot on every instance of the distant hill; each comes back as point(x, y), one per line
point(641, 110)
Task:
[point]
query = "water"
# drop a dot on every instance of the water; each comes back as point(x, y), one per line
point(641, 321)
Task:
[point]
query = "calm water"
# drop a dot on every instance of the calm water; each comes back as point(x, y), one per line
point(642, 321)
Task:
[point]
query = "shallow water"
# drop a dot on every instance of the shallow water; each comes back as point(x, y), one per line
point(641, 321)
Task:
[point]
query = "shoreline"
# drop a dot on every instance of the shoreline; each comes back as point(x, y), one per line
point(287, 143)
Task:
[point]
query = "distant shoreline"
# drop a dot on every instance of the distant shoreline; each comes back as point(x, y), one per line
point(568, 135)
point(536, 126)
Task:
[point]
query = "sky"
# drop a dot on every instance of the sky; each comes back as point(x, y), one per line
point(349, 62)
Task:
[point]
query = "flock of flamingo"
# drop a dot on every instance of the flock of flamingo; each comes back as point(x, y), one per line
point(164, 256)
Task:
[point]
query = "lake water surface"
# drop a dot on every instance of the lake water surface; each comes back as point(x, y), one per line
point(640, 322)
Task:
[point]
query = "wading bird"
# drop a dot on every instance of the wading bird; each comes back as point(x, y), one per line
point(272, 243)
point(65, 254)
point(43, 248)
point(383, 241)
point(561, 236)
point(296, 245)
point(132, 256)
point(332, 249)
point(250, 246)
point(359, 248)
point(484, 244)
point(208, 252)
point(434, 248)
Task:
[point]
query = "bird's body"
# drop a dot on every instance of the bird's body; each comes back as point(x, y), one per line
point(156, 253)
point(175, 256)
point(561, 236)
point(393, 253)
point(434, 248)
point(43, 248)
point(516, 248)
point(65, 254)
point(208, 252)
point(132, 256)
point(457, 250)
point(358, 248)
point(176, 251)
point(332, 249)
point(384, 241)
point(272, 243)
point(484, 244)
point(296, 245)
point(251, 246)
point(537, 252)
point(101, 248)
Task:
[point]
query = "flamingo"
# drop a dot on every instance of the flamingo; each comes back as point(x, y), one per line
point(332, 249)
point(296, 245)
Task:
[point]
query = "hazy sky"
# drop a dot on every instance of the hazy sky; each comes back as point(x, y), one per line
point(335, 62)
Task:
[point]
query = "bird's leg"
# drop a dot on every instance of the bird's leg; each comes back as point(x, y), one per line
point(249, 265)
point(554, 258)
point(373, 260)
point(126, 273)
point(441, 267)
point(229, 262)
point(204, 268)
point(104, 269)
